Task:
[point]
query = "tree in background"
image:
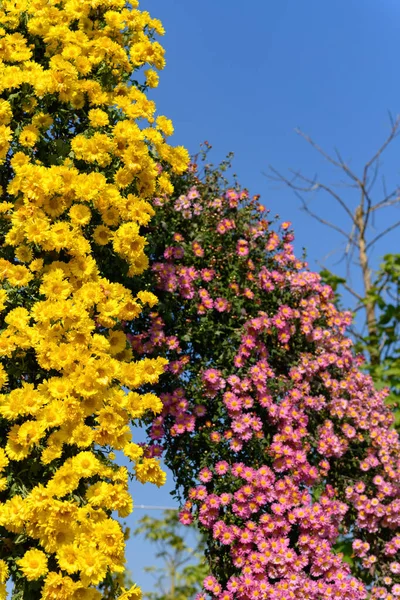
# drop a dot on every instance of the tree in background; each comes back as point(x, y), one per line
point(80, 155)
point(282, 450)
point(376, 328)
point(183, 568)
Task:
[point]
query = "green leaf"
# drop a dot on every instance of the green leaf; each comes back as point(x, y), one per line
point(345, 547)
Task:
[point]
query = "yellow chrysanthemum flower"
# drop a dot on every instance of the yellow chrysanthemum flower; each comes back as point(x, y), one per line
point(83, 167)
point(29, 136)
point(33, 564)
point(3, 376)
point(102, 235)
point(4, 571)
point(98, 117)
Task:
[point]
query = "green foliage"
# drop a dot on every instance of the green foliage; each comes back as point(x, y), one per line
point(182, 569)
point(385, 297)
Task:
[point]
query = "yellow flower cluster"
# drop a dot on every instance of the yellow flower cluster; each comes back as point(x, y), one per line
point(81, 153)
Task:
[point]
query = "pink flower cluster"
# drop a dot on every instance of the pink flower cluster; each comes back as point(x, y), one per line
point(290, 505)
point(188, 205)
point(212, 382)
point(188, 281)
point(261, 549)
point(301, 453)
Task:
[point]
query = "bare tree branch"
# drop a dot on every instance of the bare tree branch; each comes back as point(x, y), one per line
point(338, 164)
point(387, 201)
point(352, 292)
point(394, 132)
point(325, 222)
point(360, 219)
point(342, 165)
point(383, 233)
point(371, 184)
point(313, 185)
point(375, 159)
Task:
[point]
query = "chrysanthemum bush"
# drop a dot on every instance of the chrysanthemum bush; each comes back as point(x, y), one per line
point(81, 152)
point(282, 450)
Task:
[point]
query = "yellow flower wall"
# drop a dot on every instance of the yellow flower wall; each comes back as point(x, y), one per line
point(81, 152)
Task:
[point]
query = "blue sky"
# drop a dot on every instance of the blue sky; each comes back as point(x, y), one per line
point(244, 75)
